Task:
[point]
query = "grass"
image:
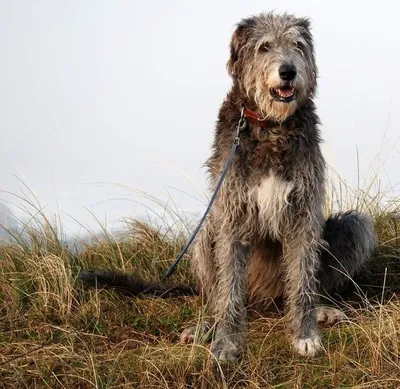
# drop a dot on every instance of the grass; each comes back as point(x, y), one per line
point(56, 334)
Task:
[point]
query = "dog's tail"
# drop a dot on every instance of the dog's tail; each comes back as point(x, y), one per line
point(133, 285)
point(351, 241)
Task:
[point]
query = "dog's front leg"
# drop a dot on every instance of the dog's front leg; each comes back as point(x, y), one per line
point(301, 263)
point(232, 258)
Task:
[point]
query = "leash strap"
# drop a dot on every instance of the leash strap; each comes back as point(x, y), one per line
point(242, 124)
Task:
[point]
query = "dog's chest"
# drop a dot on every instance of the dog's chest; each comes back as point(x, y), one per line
point(272, 197)
point(270, 150)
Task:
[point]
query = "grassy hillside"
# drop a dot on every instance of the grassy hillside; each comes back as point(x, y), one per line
point(56, 334)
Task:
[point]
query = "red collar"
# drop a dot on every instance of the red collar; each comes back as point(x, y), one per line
point(253, 118)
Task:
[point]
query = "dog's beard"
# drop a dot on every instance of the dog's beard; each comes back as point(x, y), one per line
point(273, 109)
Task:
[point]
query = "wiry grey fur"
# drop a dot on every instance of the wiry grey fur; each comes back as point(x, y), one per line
point(266, 235)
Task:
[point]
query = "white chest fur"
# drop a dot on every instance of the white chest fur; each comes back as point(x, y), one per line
point(271, 196)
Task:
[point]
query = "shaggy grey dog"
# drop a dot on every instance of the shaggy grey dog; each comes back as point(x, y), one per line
point(266, 235)
point(266, 231)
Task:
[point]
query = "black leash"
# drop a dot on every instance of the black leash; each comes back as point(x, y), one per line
point(242, 124)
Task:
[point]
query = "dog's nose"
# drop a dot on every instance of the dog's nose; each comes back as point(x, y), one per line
point(287, 72)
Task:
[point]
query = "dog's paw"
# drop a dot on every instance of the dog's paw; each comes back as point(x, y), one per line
point(188, 335)
point(200, 332)
point(226, 351)
point(308, 347)
point(329, 315)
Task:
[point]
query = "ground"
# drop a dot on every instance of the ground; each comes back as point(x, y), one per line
point(54, 333)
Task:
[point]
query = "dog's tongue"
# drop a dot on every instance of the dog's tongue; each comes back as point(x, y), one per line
point(285, 92)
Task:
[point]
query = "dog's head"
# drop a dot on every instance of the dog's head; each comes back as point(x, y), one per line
point(272, 60)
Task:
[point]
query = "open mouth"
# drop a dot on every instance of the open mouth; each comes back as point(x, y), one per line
point(284, 94)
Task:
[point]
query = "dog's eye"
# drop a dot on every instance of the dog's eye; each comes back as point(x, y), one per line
point(299, 45)
point(265, 47)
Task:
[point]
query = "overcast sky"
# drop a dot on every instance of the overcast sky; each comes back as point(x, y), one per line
point(99, 99)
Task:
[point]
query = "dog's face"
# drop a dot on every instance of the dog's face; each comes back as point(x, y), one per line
point(272, 59)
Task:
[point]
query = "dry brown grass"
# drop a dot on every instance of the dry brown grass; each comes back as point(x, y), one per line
point(56, 334)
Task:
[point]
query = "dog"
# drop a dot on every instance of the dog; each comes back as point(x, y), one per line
point(266, 235)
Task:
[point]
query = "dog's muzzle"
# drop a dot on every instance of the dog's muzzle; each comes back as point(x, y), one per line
point(285, 93)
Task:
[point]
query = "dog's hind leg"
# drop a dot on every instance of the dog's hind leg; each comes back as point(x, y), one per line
point(350, 239)
point(203, 260)
point(203, 263)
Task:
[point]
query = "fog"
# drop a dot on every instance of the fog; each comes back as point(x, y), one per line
point(105, 105)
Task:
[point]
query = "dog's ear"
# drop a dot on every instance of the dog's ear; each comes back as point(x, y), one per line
point(239, 38)
point(304, 22)
point(305, 26)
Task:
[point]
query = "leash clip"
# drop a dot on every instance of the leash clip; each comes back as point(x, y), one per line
point(242, 124)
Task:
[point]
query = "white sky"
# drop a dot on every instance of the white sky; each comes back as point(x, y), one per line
point(94, 93)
